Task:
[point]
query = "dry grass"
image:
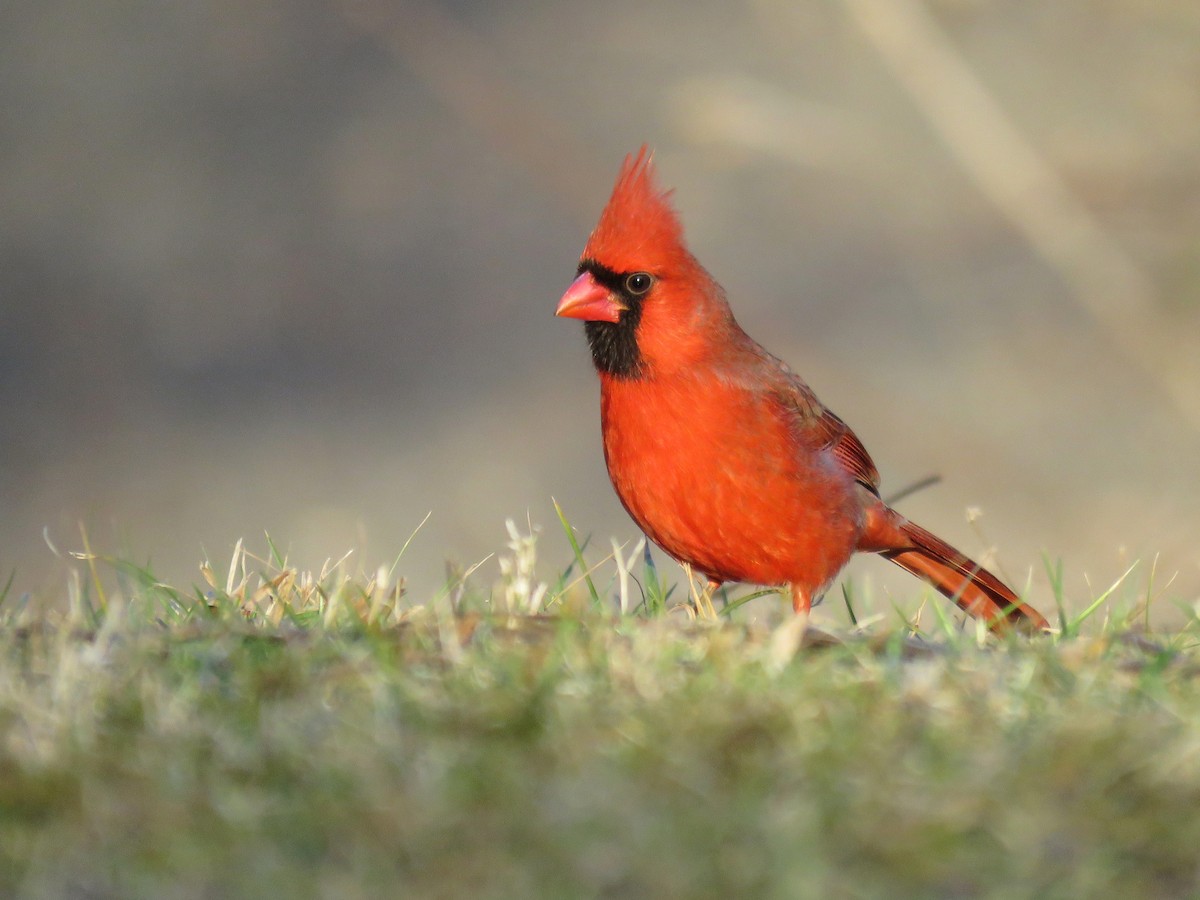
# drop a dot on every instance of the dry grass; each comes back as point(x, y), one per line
point(277, 733)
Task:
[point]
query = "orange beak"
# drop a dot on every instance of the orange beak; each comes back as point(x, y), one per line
point(586, 299)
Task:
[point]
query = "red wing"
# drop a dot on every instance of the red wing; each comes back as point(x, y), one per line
point(815, 427)
point(823, 430)
point(850, 452)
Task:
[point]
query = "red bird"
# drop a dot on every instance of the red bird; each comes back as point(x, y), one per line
point(722, 454)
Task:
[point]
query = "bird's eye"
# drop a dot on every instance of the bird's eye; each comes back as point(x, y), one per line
point(639, 282)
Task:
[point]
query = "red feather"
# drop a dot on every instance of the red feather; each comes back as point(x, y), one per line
point(724, 457)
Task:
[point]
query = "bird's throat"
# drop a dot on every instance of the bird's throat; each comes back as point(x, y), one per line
point(614, 346)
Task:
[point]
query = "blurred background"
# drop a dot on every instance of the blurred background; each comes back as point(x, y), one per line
point(290, 266)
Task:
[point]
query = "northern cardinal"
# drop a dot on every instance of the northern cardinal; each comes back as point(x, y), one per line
point(722, 454)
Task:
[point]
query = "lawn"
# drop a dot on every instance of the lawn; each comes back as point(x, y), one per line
point(281, 734)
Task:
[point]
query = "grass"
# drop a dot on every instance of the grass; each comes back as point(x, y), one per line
point(280, 733)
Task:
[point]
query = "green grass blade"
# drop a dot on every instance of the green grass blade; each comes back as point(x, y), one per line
point(944, 621)
point(7, 586)
point(1054, 571)
point(578, 551)
point(742, 601)
point(848, 599)
point(1095, 604)
point(392, 570)
point(657, 592)
point(277, 558)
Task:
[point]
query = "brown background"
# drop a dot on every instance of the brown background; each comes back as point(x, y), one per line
point(290, 266)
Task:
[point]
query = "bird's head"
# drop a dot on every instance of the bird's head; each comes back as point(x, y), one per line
point(646, 301)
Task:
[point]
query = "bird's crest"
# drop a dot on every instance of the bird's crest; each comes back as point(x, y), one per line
point(639, 228)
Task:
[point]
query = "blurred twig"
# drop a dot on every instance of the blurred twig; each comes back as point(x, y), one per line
point(467, 75)
point(910, 489)
point(1104, 280)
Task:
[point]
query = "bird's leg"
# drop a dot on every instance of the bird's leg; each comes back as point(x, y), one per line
point(788, 638)
point(801, 600)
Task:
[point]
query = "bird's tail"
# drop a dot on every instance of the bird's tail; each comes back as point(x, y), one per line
point(964, 581)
